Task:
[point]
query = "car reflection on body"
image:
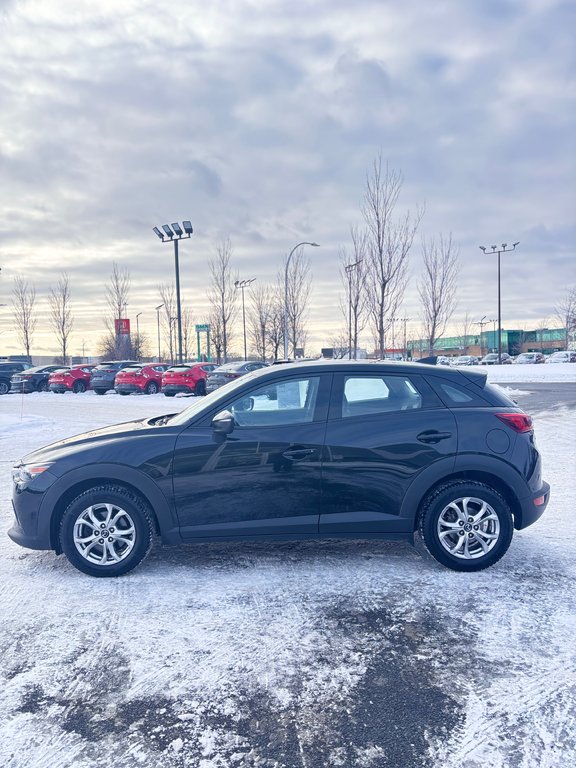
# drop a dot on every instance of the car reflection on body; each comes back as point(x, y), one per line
point(228, 372)
point(324, 449)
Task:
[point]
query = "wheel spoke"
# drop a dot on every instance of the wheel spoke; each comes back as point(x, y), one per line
point(112, 551)
point(481, 526)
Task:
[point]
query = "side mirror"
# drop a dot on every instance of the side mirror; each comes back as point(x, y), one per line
point(223, 423)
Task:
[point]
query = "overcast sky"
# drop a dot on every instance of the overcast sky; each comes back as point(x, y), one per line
point(259, 121)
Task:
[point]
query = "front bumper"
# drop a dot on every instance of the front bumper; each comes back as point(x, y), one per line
point(31, 529)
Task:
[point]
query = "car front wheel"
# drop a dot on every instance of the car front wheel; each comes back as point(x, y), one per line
point(79, 386)
point(466, 525)
point(151, 388)
point(106, 531)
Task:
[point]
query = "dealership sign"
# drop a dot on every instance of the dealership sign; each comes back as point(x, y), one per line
point(122, 326)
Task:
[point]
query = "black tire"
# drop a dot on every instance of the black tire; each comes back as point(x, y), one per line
point(200, 388)
point(85, 516)
point(4, 387)
point(169, 394)
point(42, 386)
point(100, 391)
point(123, 393)
point(151, 388)
point(79, 386)
point(466, 525)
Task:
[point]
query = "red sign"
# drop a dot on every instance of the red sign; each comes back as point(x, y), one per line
point(122, 326)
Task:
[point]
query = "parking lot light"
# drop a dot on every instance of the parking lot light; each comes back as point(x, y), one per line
point(503, 249)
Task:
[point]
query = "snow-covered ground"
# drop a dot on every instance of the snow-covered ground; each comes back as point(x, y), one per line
point(289, 654)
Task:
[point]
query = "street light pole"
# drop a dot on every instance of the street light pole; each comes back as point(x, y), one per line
point(158, 308)
point(305, 242)
point(241, 284)
point(482, 322)
point(174, 235)
point(503, 249)
point(138, 333)
point(348, 269)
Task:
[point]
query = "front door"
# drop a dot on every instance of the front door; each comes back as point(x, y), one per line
point(265, 476)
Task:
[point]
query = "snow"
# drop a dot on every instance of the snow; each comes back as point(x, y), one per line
point(338, 653)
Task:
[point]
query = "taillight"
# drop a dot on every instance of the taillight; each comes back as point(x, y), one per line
point(231, 375)
point(520, 422)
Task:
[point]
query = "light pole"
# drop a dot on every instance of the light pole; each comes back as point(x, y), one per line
point(241, 284)
point(175, 235)
point(482, 322)
point(138, 333)
point(173, 321)
point(348, 269)
point(158, 308)
point(503, 249)
point(315, 245)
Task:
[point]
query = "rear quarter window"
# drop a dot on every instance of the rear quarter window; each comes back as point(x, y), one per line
point(455, 395)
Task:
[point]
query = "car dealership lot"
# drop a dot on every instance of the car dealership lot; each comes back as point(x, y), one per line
point(253, 654)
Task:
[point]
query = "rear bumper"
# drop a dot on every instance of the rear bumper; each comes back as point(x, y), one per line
point(127, 388)
point(533, 507)
point(58, 388)
point(176, 388)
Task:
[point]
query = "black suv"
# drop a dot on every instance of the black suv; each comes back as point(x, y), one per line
point(326, 449)
point(33, 379)
point(103, 375)
point(7, 369)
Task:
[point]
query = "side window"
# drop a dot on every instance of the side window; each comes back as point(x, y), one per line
point(285, 402)
point(365, 395)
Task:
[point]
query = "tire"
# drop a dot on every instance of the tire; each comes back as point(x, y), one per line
point(200, 388)
point(114, 554)
point(4, 387)
point(169, 394)
point(42, 387)
point(79, 386)
point(448, 525)
point(100, 391)
point(124, 394)
point(151, 388)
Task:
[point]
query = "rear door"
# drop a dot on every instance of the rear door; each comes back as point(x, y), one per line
point(384, 429)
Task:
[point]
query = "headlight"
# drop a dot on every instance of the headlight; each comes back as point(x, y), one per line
point(27, 472)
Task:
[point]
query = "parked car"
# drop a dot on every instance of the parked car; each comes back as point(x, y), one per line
point(189, 378)
point(73, 379)
point(224, 374)
point(492, 359)
point(530, 358)
point(443, 360)
point(33, 379)
point(345, 450)
point(562, 357)
point(7, 370)
point(140, 378)
point(103, 375)
point(464, 360)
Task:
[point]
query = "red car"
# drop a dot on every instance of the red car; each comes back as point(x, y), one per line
point(188, 377)
point(139, 378)
point(74, 379)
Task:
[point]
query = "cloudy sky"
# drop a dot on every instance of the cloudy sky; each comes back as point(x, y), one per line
point(258, 120)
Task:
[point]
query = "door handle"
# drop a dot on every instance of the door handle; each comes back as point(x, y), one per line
point(433, 436)
point(295, 454)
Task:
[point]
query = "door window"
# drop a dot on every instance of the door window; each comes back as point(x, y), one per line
point(364, 395)
point(285, 402)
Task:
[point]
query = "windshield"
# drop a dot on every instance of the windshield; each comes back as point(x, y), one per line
point(204, 403)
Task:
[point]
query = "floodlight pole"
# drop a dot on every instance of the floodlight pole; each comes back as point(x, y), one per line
point(241, 284)
point(348, 269)
point(175, 235)
point(503, 249)
point(482, 322)
point(315, 245)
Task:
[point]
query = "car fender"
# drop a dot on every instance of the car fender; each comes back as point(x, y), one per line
point(51, 507)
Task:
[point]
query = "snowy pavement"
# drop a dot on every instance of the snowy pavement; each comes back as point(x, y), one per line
point(289, 654)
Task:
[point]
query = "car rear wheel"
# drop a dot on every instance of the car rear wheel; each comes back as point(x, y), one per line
point(200, 388)
point(466, 525)
point(169, 394)
point(43, 386)
point(79, 386)
point(100, 391)
point(106, 531)
point(151, 388)
point(4, 387)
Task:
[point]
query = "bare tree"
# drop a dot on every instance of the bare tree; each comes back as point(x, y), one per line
point(464, 332)
point(389, 240)
point(299, 284)
point(565, 311)
point(260, 315)
point(353, 271)
point(61, 314)
point(167, 294)
point(275, 333)
point(187, 334)
point(340, 344)
point(437, 286)
point(117, 344)
point(23, 301)
point(542, 326)
point(223, 295)
point(216, 335)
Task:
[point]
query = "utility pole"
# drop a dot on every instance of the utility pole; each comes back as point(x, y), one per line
point(503, 249)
